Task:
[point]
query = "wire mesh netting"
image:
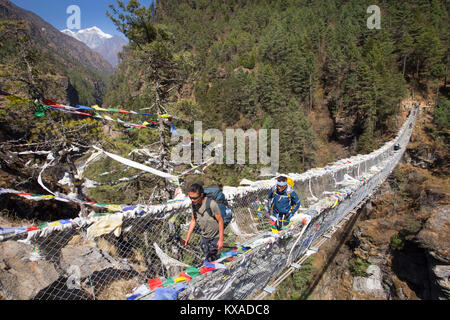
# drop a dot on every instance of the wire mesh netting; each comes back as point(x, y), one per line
point(140, 250)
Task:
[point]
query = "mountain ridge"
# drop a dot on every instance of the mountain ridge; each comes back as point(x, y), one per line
point(51, 38)
point(108, 46)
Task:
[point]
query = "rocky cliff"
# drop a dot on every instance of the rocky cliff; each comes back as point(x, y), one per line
point(398, 245)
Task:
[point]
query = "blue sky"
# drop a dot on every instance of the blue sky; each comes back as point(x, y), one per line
point(92, 12)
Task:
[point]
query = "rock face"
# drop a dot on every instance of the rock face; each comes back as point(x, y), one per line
point(415, 267)
point(370, 285)
point(344, 128)
point(435, 238)
point(88, 260)
point(22, 277)
point(82, 272)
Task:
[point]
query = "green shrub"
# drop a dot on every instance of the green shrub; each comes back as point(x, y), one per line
point(358, 267)
point(397, 242)
point(297, 286)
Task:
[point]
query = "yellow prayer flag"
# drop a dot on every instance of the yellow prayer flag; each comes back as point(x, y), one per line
point(180, 279)
point(96, 107)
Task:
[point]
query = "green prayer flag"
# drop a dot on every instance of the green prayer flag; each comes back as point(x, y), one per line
point(101, 214)
point(169, 282)
point(192, 272)
point(40, 110)
point(43, 225)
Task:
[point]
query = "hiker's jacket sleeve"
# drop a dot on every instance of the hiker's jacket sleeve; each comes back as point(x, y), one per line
point(295, 201)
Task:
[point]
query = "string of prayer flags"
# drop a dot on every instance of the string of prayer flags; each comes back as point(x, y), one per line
point(48, 103)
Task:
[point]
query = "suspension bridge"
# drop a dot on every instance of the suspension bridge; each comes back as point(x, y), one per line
point(140, 245)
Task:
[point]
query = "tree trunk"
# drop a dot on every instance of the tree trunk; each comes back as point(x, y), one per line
point(404, 66)
point(163, 146)
point(437, 94)
point(417, 68)
point(78, 187)
point(446, 74)
point(310, 92)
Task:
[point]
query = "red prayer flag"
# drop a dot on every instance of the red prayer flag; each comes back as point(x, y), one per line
point(155, 283)
point(52, 103)
point(83, 114)
point(206, 269)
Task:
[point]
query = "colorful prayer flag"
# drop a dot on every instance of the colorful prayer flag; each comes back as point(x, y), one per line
point(154, 283)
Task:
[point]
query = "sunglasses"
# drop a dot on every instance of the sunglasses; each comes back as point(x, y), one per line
point(194, 198)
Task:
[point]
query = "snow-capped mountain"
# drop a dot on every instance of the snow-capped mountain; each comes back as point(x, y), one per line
point(105, 44)
point(92, 37)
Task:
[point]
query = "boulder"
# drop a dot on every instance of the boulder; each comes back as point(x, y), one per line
point(88, 260)
point(371, 285)
point(22, 274)
point(435, 237)
point(442, 274)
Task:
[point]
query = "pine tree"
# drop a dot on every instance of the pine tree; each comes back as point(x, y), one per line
point(154, 61)
point(297, 139)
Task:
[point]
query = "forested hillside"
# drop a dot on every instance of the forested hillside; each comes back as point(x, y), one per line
point(282, 64)
point(312, 69)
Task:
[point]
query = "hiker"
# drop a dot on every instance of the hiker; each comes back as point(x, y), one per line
point(210, 226)
point(283, 202)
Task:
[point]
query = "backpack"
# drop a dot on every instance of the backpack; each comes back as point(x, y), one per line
point(215, 193)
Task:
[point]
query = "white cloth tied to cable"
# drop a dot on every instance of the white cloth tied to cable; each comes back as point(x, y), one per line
point(92, 158)
point(166, 260)
point(139, 166)
point(51, 158)
point(107, 224)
